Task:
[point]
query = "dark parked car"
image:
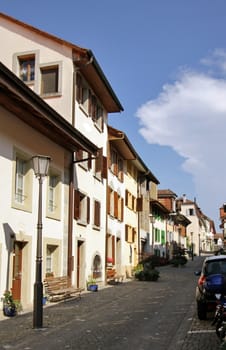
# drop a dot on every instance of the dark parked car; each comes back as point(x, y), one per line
point(212, 280)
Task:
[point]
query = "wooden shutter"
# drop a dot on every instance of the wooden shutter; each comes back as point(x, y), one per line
point(89, 161)
point(97, 213)
point(76, 204)
point(109, 201)
point(115, 204)
point(122, 209)
point(126, 232)
point(79, 88)
point(126, 198)
point(90, 105)
point(104, 170)
point(49, 80)
point(88, 210)
point(140, 203)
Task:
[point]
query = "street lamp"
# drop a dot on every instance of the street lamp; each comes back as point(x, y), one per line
point(192, 249)
point(152, 220)
point(40, 166)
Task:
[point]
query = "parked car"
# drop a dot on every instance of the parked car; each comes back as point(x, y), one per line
point(212, 280)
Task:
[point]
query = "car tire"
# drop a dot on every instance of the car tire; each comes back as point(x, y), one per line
point(201, 311)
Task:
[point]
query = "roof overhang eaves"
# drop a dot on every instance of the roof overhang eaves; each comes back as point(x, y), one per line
point(92, 72)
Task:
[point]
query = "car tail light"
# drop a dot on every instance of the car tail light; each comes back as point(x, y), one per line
point(201, 280)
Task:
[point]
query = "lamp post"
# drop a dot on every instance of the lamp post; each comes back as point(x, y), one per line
point(40, 166)
point(192, 251)
point(152, 220)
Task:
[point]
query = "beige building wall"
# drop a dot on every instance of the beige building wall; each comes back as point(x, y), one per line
point(18, 223)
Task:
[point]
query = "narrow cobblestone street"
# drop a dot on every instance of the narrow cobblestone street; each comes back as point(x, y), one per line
point(133, 315)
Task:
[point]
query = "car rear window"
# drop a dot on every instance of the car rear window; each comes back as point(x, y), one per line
point(215, 267)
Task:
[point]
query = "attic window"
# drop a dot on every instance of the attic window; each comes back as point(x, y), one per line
point(49, 80)
point(27, 68)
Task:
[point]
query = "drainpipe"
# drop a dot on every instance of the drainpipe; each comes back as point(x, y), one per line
point(70, 217)
point(138, 218)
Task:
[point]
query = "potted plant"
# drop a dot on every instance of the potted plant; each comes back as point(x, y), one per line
point(92, 285)
point(9, 305)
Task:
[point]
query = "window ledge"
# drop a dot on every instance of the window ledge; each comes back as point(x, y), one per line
point(82, 223)
point(96, 228)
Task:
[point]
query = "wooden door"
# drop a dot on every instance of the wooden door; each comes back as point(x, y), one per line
point(17, 270)
point(79, 245)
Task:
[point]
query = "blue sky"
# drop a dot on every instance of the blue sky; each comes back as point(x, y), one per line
point(166, 62)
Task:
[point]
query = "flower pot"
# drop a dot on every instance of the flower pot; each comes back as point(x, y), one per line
point(44, 300)
point(9, 310)
point(92, 287)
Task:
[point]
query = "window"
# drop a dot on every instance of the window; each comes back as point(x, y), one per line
point(96, 213)
point(120, 169)
point(131, 201)
point(49, 80)
point(80, 155)
point(51, 259)
point(20, 174)
point(190, 212)
point(52, 188)
point(130, 234)
point(89, 103)
point(110, 201)
point(120, 208)
point(81, 207)
point(22, 182)
point(97, 113)
point(101, 165)
point(27, 68)
point(54, 195)
point(82, 93)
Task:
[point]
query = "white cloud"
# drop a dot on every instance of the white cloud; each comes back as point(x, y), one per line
point(189, 115)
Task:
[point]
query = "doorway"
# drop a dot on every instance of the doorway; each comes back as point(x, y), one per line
point(17, 270)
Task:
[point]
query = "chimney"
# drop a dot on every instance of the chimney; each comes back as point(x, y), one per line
point(184, 198)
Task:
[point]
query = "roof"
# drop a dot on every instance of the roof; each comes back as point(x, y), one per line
point(127, 150)
point(159, 206)
point(166, 193)
point(85, 60)
point(19, 99)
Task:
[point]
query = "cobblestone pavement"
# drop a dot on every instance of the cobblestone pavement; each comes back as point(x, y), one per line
point(134, 315)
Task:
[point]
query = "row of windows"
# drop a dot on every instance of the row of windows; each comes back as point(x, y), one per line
point(84, 159)
point(130, 234)
point(23, 187)
point(49, 74)
point(116, 165)
point(89, 102)
point(82, 209)
point(23, 176)
point(115, 204)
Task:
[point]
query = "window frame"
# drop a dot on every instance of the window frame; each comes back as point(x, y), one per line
point(48, 66)
point(56, 191)
point(26, 203)
point(96, 214)
point(81, 207)
point(33, 84)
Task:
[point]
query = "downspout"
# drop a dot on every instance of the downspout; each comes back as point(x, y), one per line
point(73, 95)
point(70, 217)
point(138, 219)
